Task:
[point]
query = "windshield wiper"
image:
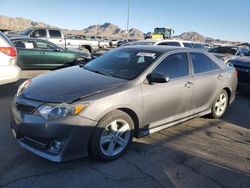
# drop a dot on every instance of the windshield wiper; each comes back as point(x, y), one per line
point(98, 72)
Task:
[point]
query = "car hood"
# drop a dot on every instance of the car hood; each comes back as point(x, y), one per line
point(69, 84)
point(240, 61)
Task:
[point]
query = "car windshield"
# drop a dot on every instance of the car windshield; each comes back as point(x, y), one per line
point(125, 63)
point(143, 43)
point(26, 32)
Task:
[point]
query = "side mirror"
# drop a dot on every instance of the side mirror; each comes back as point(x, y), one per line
point(157, 78)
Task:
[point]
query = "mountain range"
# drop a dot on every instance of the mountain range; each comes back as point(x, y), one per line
point(105, 30)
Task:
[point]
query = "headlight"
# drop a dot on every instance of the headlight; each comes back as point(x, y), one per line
point(55, 111)
point(23, 86)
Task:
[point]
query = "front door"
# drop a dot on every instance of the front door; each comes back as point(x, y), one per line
point(167, 102)
point(49, 56)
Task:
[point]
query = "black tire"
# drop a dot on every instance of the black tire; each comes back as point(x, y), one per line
point(214, 114)
point(95, 141)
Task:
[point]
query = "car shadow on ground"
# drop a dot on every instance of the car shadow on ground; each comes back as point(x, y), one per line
point(238, 112)
point(198, 153)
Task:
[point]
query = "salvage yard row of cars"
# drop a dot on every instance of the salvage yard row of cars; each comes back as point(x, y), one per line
point(98, 106)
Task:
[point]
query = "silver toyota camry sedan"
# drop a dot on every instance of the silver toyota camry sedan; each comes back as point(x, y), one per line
point(97, 108)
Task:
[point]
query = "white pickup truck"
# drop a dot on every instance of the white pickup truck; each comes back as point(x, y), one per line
point(57, 37)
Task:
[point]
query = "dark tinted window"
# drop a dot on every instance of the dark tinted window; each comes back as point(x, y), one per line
point(174, 66)
point(187, 44)
point(39, 33)
point(23, 44)
point(55, 34)
point(224, 50)
point(202, 63)
point(170, 43)
point(199, 46)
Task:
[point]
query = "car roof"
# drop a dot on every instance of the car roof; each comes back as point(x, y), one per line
point(160, 49)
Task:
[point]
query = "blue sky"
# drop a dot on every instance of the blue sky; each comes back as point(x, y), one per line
point(223, 19)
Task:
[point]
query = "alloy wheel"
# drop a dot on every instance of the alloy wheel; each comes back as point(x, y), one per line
point(220, 104)
point(115, 137)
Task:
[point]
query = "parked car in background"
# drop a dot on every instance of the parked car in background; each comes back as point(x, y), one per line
point(104, 43)
point(36, 53)
point(168, 42)
point(128, 92)
point(9, 72)
point(57, 37)
point(242, 65)
point(124, 42)
point(226, 52)
point(113, 43)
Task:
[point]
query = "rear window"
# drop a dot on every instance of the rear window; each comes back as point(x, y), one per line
point(5, 40)
point(55, 34)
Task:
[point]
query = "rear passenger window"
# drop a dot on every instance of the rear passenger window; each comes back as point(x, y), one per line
point(174, 66)
point(202, 63)
point(55, 34)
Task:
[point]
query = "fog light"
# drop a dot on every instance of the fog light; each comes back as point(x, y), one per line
point(56, 146)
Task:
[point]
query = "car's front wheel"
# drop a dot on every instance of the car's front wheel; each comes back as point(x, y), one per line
point(112, 136)
point(220, 105)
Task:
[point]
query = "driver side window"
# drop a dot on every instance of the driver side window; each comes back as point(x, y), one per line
point(174, 66)
point(44, 46)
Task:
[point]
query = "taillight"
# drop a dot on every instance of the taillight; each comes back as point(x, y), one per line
point(10, 51)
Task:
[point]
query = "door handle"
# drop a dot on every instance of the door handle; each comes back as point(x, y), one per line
point(60, 40)
point(189, 84)
point(220, 77)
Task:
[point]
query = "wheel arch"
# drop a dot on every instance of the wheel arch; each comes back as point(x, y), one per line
point(134, 117)
point(229, 93)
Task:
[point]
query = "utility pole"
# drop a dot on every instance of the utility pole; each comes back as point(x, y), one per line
point(128, 18)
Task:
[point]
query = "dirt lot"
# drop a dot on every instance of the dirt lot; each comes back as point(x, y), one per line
point(198, 153)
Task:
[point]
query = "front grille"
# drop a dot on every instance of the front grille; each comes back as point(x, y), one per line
point(24, 107)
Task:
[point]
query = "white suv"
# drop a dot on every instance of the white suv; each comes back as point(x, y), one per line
point(9, 72)
point(168, 42)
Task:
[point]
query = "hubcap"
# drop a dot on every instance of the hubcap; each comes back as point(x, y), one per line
point(115, 137)
point(220, 104)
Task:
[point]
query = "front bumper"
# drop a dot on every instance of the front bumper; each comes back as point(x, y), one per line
point(35, 134)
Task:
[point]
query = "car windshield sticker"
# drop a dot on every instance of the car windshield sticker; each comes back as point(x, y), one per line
point(29, 45)
point(146, 54)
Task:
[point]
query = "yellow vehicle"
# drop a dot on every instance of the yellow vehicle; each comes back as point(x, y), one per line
point(162, 33)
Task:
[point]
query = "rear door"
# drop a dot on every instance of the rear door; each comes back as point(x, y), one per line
point(27, 55)
point(167, 102)
point(208, 81)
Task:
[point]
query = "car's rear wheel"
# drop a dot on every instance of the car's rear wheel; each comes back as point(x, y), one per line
point(220, 105)
point(112, 136)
